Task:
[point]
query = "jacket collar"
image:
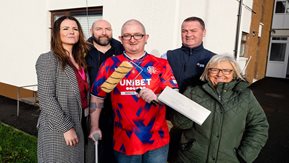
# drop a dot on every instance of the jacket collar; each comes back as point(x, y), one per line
point(235, 85)
point(225, 91)
point(187, 49)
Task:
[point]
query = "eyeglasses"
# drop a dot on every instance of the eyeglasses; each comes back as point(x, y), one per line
point(224, 71)
point(135, 36)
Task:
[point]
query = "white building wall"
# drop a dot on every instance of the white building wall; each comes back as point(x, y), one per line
point(25, 37)
point(158, 18)
point(221, 26)
point(64, 4)
point(163, 21)
point(280, 21)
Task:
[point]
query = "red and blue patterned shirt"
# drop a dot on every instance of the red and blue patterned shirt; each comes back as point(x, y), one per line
point(138, 126)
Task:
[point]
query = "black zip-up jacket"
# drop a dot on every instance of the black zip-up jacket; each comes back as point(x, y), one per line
point(94, 58)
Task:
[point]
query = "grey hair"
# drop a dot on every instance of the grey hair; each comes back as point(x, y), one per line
point(132, 21)
point(216, 59)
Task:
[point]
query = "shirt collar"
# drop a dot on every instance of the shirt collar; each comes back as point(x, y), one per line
point(141, 57)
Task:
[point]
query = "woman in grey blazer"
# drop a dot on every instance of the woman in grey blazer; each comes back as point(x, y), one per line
point(63, 95)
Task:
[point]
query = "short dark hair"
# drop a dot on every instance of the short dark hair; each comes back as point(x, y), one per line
point(193, 18)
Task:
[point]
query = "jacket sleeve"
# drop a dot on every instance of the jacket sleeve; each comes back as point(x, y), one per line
point(256, 132)
point(46, 67)
point(180, 121)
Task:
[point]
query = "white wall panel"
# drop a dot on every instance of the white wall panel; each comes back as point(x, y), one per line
point(25, 33)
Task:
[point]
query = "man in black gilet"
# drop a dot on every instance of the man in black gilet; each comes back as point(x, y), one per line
point(188, 63)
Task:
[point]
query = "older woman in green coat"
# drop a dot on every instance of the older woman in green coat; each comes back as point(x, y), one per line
point(237, 128)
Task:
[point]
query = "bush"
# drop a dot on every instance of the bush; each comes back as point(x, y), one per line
point(16, 146)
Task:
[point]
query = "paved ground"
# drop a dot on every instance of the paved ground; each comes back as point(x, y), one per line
point(27, 118)
point(272, 93)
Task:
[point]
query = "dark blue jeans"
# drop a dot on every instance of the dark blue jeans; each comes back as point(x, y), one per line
point(155, 156)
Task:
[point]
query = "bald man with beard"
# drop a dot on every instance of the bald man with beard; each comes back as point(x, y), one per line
point(101, 47)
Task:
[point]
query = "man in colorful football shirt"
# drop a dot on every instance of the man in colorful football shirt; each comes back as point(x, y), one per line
point(140, 129)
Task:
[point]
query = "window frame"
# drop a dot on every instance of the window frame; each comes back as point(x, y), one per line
point(286, 6)
point(76, 12)
point(86, 11)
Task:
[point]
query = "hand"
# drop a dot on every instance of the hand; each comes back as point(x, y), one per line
point(93, 131)
point(70, 137)
point(148, 95)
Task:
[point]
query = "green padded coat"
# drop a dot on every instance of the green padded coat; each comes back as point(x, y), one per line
point(235, 131)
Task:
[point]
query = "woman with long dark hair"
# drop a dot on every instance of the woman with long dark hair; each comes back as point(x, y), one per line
point(63, 94)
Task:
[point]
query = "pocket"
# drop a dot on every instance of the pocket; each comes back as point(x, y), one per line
point(192, 151)
point(48, 125)
point(44, 123)
point(187, 146)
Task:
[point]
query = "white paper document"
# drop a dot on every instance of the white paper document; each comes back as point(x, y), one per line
point(184, 105)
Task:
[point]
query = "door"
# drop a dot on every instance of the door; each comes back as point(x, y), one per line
point(278, 57)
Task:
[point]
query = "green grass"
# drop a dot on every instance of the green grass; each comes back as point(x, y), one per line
point(16, 146)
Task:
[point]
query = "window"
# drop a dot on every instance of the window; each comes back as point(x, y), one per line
point(243, 44)
point(85, 16)
point(278, 49)
point(282, 6)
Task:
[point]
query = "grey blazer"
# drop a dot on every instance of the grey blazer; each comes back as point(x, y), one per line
point(61, 110)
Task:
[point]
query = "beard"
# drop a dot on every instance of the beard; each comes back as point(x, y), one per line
point(102, 40)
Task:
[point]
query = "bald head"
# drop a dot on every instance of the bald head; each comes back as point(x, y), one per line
point(133, 38)
point(101, 22)
point(101, 32)
point(133, 22)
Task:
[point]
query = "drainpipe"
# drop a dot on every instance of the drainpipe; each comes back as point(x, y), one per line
point(238, 28)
